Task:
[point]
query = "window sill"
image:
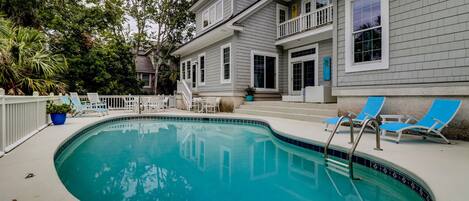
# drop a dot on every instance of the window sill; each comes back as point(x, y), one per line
point(368, 66)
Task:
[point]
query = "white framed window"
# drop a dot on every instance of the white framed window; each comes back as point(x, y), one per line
point(225, 72)
point(366, 35)
point(202, 69)
point(264, 70)
point(188, 69)
point(146, 78)
point(183, 71)
point(212, 14)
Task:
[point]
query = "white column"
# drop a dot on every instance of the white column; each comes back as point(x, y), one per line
point(3, 129)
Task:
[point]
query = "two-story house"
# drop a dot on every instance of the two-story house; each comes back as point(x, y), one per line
point(278, 47)
point(410, 51)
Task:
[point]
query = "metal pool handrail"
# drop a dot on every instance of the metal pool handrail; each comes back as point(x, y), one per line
point(328, 143)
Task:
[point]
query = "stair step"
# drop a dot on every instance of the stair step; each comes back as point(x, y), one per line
point(332, 106)
point(301, 117)
point(340, 170)
point(294, 110)
point(336, 162)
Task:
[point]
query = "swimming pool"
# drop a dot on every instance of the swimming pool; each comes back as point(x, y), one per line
point(209, 159)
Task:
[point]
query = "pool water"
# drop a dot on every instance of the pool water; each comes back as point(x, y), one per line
point(171, 160)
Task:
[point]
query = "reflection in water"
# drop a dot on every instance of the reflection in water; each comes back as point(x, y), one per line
point(155, 160)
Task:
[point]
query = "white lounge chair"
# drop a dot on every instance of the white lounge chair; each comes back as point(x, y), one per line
point(211, 104)
point(81, 108)
point(96, 102)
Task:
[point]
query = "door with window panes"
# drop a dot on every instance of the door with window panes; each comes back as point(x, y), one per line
point(303, 69)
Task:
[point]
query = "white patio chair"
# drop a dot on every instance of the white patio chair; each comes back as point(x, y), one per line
point(96, 102)
point(210, 104)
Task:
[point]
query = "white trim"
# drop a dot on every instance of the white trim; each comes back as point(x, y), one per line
point(350, 66)
point(186, 77)
point(232, 7)
point(199, 74)
point(282, 7)
point(216, 20)
point(222, 66)
point(195, 62)
point(290, 61)
point(140, 77)
point(269, 54)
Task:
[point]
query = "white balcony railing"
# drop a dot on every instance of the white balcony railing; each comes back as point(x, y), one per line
point(305, 22)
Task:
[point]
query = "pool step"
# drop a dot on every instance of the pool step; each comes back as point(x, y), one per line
point(288, 110)
point(338, 166)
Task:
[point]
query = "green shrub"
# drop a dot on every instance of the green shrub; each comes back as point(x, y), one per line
point(58, 108)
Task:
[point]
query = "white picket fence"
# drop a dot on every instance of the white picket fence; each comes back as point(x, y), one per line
point(120, 102)
point(20, 118)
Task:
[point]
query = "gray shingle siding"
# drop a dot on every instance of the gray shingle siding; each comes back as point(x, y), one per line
point(213, 66)
point(259, 34)
point(428, 43)
point(325, 49)
point(240, 5)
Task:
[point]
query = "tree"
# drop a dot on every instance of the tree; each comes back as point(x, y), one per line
point(26, 64)
point(140, 10)
point(91, 37)
point(174, 25)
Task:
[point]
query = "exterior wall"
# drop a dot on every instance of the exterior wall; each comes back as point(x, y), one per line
point(198, 14)
point(259, 34)
point(428, 58)
point(213, 67)
point(428, 42)
point(240, 5)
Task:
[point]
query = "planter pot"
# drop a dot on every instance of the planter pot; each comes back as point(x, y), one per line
point(249, 98)
point(58, 119)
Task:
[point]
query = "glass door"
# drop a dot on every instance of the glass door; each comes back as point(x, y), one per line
point(303, 75)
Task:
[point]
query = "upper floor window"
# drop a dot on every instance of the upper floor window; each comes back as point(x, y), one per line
point(212, 14)
point(366, 34)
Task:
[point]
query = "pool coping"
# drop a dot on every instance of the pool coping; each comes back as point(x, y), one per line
point(392, 170)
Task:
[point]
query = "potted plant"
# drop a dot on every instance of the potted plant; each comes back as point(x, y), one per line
point(250, 93)
point(58, 112)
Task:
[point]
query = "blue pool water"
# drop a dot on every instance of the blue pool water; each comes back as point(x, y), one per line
point(169, 160)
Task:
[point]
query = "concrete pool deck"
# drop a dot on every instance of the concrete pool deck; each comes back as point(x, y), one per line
point(443, 168)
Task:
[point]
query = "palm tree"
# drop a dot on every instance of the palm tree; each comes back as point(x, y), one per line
point(26, 64)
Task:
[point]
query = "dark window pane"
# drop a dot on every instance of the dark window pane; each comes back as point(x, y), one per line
point(202, 69)
point(366, 43)
point(358, 57)
point(226, 63)
point(270, 72)
point(376, 55)
point(297, 77)
point(303, 53)
point(226, 72)
point(308, 73)
point(282, 16)
point(258, 71)
point(366, 14)
point(367, 56)
point(308, 7)
point(188, 70)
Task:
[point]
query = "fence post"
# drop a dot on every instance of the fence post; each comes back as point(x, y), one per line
point(3, 123)
point(35, 96)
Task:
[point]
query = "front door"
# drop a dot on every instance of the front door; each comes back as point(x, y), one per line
point(194, 75)
point(303, 75)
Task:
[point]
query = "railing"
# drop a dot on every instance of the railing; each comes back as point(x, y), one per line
point(305, 22)
point(186, 92)
point(20, 118)
point(129, 102)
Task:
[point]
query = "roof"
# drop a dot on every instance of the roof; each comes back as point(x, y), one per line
point(143, 64)
point(229, 21)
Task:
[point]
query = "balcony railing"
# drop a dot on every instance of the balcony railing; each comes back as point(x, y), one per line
point(305, 22)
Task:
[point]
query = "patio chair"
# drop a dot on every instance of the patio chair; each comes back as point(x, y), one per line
point(65, 99)
point(372, 108)
point(437, 117)
point(130, 103)
point(83, 108)
point(96, 102)
point(210, 104)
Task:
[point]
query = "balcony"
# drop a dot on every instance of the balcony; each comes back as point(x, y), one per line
point(305, 22)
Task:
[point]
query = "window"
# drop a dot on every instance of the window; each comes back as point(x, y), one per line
point(321, 3)
point(146, 78)
point(303, 53)
point(264, 70)
point(367, 39)
point(213, 14)
point(188, 70)
point(183, 70)
point(202, 69)
point(226, 63)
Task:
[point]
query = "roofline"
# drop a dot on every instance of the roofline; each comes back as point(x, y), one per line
point(234, 18)
point(197, 5)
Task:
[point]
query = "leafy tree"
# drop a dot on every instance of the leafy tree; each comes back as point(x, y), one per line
point(140, 10)
point(91, 37)
point(175, 24)
point(26, 64)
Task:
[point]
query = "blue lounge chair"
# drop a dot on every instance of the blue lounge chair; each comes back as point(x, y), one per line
point(86, 107)
point(372, 108)
point(438, 116)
